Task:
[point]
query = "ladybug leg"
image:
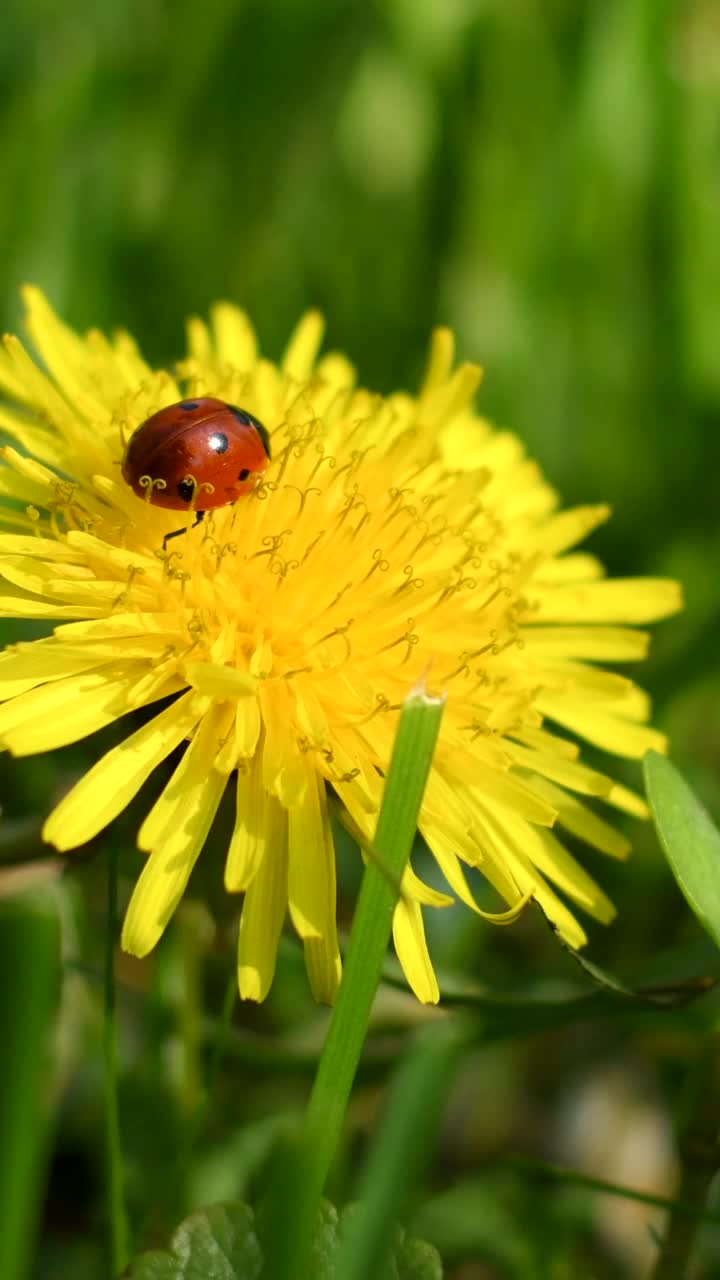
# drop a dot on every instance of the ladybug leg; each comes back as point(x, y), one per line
point(199, 516)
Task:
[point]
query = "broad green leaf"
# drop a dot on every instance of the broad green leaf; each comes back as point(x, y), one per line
point(221, 1243)
point(325, 1242)
point(218, 1243)
point(418, 1260)
point(156, 1266)
point(689, 837)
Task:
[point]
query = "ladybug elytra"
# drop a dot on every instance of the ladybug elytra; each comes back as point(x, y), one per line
point(198, 454)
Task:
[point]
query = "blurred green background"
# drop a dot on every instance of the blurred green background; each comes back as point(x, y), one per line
point(545, 178)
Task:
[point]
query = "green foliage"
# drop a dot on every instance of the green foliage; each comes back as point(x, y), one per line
point(218, 1243)
point(221, 1243)
point(689, 838)
point(29, 963)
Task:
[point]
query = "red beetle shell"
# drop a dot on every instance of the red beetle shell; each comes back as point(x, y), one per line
point(218, 446)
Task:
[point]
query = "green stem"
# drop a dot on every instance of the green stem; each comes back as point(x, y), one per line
point(555, 1173)
point(119, 1233)
point(301, 1181)
point(401, 1149)
point(397, 824)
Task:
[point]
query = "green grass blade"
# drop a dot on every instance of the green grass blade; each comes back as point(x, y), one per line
point(114, 1171)
point(304, 1178)
point(29, 963)
point(397, 825)
point(410, 1118)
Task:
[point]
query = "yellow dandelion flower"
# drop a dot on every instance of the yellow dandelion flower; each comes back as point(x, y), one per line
point(388, 536)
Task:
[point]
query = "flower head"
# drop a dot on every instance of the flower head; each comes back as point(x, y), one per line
point(278, 637)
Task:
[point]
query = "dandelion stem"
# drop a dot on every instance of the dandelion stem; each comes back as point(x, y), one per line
point(397, 825)
point(402, 1147)
point(117, 1216)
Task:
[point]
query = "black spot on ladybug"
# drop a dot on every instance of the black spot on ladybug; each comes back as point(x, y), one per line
point(242, 416)
point(218, 442)
point(248, 421)
point(186, 489)
point(189, 405)
point(264, 436)
point(244, 474)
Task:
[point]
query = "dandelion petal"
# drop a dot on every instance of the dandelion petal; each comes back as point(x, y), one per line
point(111, 783)
point(264, 911)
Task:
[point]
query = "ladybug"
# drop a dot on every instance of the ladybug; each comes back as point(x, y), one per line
point(198, 454)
